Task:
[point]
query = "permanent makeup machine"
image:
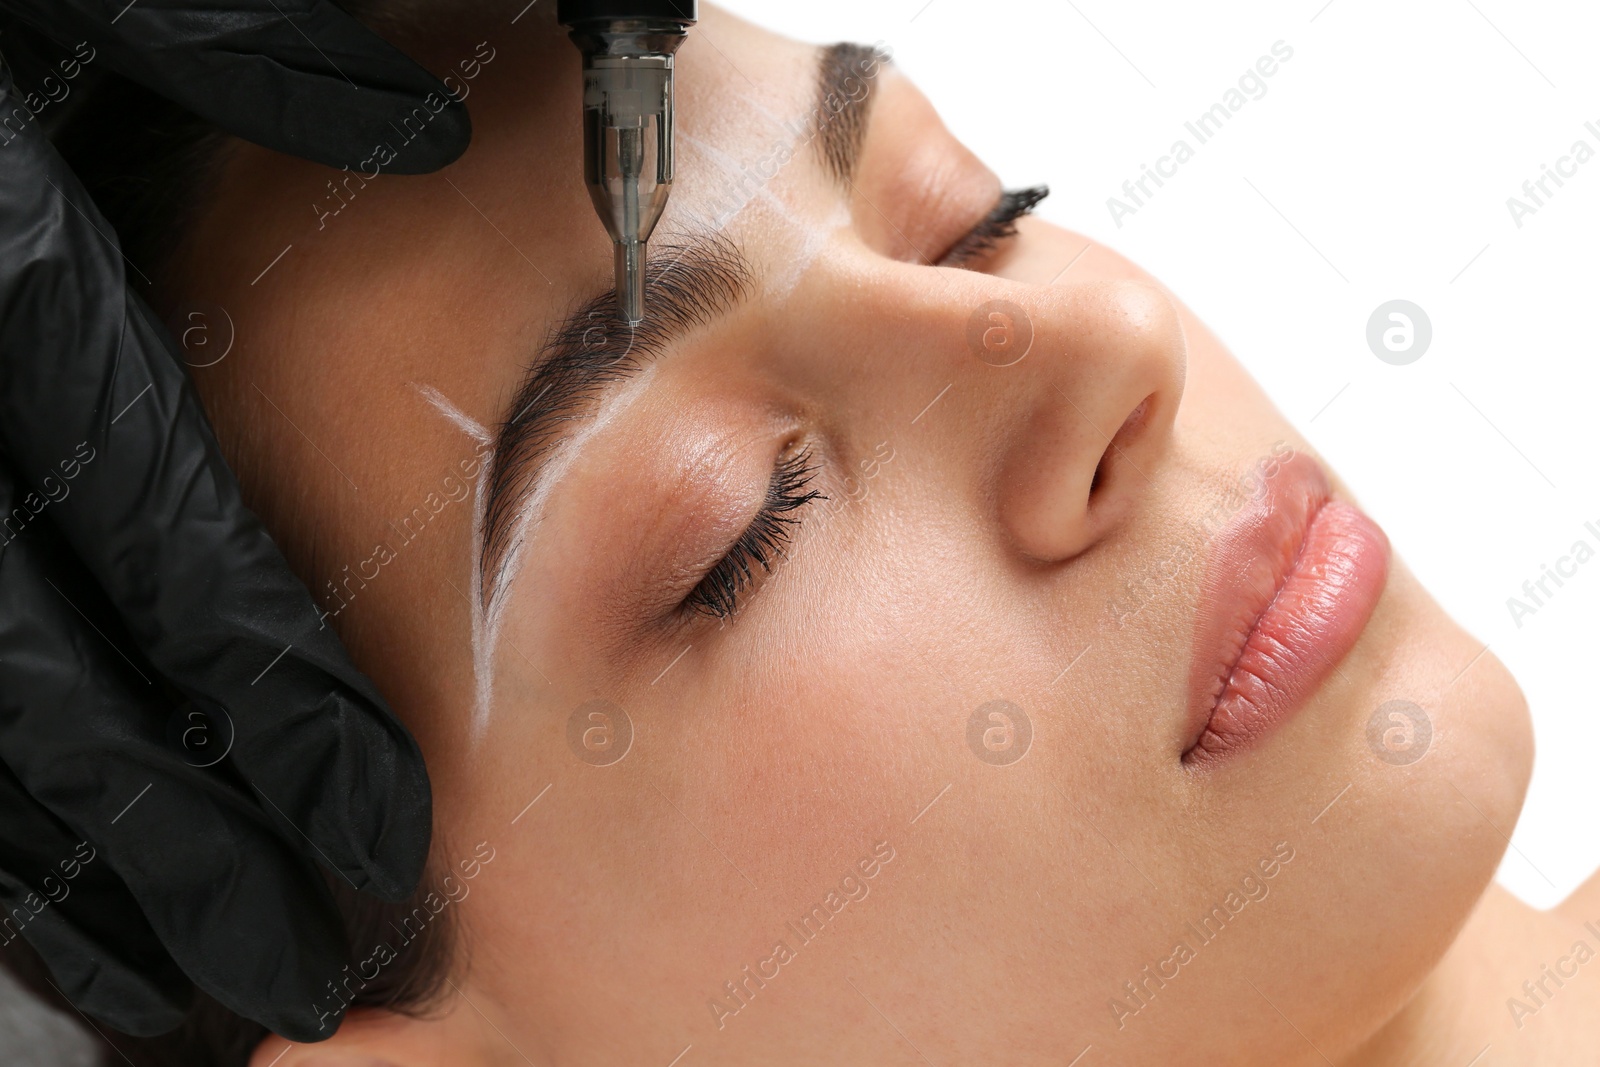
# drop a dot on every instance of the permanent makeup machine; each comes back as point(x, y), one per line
point(627, 48)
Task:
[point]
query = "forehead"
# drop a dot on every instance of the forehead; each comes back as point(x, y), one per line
point(352, 292)
point(354, 298)
point(505, 239)
point(743, 95)
point(512, 215)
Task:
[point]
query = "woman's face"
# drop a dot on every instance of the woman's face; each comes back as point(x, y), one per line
point(802, 828)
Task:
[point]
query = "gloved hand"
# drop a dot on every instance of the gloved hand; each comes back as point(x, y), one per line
point(137, 593)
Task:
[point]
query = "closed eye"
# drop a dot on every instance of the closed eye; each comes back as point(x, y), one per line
point(762, 542)
point(771, 532)
point(994, 228)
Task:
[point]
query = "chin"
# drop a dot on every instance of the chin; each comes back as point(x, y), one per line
point(1421, 841)
point(1495, 749)
point(1481, 759)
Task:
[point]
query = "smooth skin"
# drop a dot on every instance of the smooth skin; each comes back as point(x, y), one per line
point(825, 725)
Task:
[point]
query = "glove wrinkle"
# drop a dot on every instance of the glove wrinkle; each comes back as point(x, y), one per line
point(148, 587)
point(312, 81)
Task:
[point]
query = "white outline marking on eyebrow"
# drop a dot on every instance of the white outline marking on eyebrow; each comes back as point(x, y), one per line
point(485, 631)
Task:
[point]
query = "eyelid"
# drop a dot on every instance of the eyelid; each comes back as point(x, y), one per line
point(763, 542)
point(997, 226)
point(692, 280)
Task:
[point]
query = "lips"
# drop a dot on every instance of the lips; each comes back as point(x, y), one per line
point(1288, 587)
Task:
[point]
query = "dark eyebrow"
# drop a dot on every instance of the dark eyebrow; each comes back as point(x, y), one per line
point(846, 77)
point(688, 283)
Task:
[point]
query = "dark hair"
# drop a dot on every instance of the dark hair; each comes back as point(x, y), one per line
point(150, 165)
point(213, 1036)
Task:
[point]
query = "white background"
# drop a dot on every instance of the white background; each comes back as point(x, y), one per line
point(1377, 166)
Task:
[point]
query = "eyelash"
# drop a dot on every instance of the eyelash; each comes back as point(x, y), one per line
point(765, 539)
point(997, 226)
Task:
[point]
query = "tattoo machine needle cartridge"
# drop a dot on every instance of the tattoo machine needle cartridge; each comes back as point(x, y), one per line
point(627, 48)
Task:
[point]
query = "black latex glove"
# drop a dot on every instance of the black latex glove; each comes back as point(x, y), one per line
point(137, 592)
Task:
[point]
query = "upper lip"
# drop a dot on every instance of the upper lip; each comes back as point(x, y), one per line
point(1252, 558)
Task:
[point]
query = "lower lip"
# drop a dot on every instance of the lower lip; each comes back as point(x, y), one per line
point(1287, 592)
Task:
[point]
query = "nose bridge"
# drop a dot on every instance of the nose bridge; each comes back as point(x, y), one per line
point(1065, 395)
point(950, 328)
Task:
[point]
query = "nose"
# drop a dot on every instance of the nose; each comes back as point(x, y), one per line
point(1088, 410)
point(1061, 399)
point(1047, 408)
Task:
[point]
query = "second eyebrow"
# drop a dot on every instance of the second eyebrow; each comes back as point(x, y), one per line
point(846, 78)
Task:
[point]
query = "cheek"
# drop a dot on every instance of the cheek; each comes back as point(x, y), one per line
point(816, 724)
point(841, 717)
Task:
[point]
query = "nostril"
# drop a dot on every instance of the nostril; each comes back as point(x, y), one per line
point(1125, 433)
point(1130, 425)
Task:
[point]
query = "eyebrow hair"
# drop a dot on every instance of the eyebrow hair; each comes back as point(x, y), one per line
point(844, 70)
point(689, 282)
